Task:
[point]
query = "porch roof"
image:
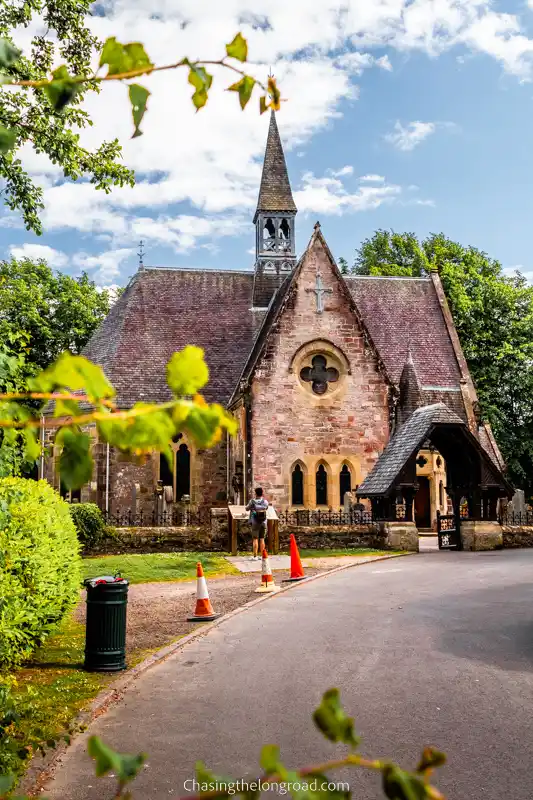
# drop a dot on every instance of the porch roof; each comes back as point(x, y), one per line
point(407, 440)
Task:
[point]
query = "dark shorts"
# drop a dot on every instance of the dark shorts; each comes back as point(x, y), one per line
point(259, 530)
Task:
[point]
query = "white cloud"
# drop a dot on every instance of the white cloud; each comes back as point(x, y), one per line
point(105, 267)
point(407, 137)
point(355, 63)
point(55, 258)
point(430, 203)
point(212, 160)
point(328, 195)
point(372, 179)
point(339, 173)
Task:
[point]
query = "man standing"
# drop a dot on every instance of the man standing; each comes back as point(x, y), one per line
point(258, 510)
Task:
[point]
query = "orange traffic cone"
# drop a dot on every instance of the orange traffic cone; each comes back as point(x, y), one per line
point(204, 610)
point(297, 571)
point(267, 581)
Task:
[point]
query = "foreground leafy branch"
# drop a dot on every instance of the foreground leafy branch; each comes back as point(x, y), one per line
point(308, 783)
point(125, 62)
point(73, 395)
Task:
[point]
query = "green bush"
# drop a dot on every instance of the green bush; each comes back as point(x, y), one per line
point(40, 566)
point(89, 522)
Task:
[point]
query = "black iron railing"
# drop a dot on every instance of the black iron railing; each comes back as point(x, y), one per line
point(516, 518)
point(319, 517)
point(175, 518)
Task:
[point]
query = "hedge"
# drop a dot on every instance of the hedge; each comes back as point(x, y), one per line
point(89, 522)
point(40, 566)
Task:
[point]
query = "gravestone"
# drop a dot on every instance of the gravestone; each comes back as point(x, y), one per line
point(517, 504)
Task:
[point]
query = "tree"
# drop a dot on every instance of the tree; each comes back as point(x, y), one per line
point(12, 379)
point(53, 311)
point(493, 314)
point(45, 110)
point(33, 116)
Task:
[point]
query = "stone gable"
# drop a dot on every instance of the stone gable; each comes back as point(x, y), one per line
point(291, 424)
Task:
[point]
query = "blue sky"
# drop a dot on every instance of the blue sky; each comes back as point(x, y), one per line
point(409, 114)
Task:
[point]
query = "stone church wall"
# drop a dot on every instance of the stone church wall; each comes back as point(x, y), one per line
point(289, 423)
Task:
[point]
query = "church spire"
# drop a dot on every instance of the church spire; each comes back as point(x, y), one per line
point(275, 191)
point(274, 222)
point(410, 391)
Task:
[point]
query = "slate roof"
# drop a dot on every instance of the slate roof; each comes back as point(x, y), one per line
point(275, 191)
point(402, 313)
point(161, 311)
point(401, 446)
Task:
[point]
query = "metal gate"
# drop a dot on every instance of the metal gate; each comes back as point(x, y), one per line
point(448, 532)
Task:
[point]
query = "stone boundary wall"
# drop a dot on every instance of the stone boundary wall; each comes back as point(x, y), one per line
point(334, 536)
point(517, 536)
point(215, 538)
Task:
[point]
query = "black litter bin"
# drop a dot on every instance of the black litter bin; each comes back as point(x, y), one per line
point(105, 631)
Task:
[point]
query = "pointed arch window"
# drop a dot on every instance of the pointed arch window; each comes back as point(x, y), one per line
point(269, 235)
point(297, 486)
point(441, 494)
point(180, 477)
point(183, 471)
point(345, 481)
point(321, 486)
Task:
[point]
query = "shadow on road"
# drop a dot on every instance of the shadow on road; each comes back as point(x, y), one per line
point(492, 624)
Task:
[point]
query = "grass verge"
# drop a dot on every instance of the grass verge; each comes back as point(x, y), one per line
point(155, 567)
point(48, 692)
point(347, 551)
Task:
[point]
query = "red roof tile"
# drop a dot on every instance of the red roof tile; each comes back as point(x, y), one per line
point(161, 311)
point(403, 312)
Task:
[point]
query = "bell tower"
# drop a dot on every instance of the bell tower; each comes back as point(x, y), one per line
point(274, 222)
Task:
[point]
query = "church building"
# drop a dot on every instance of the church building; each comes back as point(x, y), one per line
point(323, 372)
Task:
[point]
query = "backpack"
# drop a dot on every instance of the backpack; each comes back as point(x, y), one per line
point(259, 514)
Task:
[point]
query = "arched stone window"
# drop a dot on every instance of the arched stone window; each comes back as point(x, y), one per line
point(183, 471)
point(165, 471)
point(297, 486)
point(180, 478)
point(321, 486)
point(441, 494)
point(345, 482)
point(269, 235)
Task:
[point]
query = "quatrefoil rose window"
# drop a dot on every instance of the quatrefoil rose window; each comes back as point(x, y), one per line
point(319, 375)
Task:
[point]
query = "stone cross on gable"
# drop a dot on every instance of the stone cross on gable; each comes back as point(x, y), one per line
point(319, 292)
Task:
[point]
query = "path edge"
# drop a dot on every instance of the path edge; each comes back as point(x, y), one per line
point(39, 770)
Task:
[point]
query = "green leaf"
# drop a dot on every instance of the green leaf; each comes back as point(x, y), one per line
point(6, 783)
point(138, 99)
point(125, 767)
point(187, 371)
point(431, 758)
point(75, 373)
point(262, 104)
point(332, 720)
point(401, 785)
point(32, 448)
point(121, 58)
point(8, 138)
point(245, 88)
point(238, 48)
point(209, 781)
point(320, 787)
point(205, 424)
point(201, 80)
point(269, 759)
point(9, 54)
point(75, 461)
point(66, 408)
point(62, 90)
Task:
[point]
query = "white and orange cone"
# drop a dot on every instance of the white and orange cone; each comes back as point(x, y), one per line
point(204, 610)
point(267, 581)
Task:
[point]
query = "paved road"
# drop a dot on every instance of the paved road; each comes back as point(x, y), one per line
point(435, 648)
